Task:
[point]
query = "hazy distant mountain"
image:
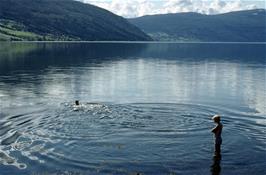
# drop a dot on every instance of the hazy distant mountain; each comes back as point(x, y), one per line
point(241, 26)
point(63, 20)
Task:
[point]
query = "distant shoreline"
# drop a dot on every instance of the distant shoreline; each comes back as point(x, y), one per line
point(136, 42)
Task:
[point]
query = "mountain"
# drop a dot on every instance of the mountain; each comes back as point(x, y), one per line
point(240, 26)
point(63, 20)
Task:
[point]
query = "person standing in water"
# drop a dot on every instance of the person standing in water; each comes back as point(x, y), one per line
point(217, 130)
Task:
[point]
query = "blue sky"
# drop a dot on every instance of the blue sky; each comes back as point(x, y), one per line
point(135, 8)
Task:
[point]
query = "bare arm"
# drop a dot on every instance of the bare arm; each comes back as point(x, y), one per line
point(214, 130)
point(217, 128)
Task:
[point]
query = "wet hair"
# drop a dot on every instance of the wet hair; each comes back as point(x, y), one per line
point(216, 118)
point(77, 102)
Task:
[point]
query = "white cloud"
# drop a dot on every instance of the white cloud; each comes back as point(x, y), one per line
point(126, 8)
point(136, 8)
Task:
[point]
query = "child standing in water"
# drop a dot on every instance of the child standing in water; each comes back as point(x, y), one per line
point(217, 130)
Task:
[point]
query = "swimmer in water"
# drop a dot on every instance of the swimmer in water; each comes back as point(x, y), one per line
point(88, 106)
point(77, 106)
point(217, 130)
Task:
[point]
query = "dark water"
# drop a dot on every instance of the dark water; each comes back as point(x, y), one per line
point(146, 108)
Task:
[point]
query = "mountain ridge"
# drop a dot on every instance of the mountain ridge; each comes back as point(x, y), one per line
point(238, 26)
point(65, 20)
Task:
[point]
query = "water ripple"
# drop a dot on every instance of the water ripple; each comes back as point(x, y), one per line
point(82, 137)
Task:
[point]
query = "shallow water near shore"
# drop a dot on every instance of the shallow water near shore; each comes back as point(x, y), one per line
point(145, 108)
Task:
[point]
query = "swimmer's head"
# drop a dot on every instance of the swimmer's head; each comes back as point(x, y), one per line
point(77, 102)
point(216, 118)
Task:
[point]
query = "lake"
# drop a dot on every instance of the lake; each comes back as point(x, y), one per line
point(145, 108)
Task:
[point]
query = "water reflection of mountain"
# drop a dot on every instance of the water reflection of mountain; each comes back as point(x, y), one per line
point(38, 56)
point(211, 73)
point(244, 53)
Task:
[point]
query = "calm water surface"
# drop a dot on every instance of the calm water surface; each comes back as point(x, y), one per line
point(146, 108)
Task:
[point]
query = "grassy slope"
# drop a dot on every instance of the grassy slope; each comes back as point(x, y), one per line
point(10, 30)
point(13, 31)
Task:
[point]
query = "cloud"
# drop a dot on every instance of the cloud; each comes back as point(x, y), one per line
point(126, 8)
point(136, 8)
point(203, 6)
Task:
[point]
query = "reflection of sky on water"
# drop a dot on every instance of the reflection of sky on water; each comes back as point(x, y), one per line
point(136, 73)
point(254, 90)
point(164, 81)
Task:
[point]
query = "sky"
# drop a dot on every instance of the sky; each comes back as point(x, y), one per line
point(136, 8)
